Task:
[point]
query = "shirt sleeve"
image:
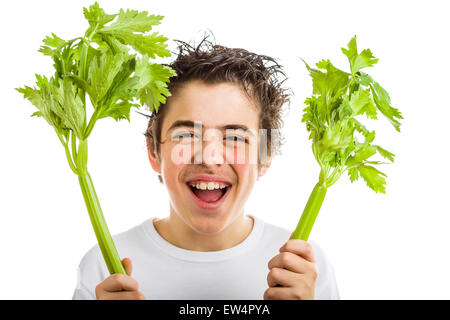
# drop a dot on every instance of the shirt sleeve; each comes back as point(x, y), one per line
point(326, 286)
point(81, 291)
point(91, 271)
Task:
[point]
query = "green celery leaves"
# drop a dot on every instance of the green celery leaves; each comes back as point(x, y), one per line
point(100, 65)
point(332, 117)
point(358, 61)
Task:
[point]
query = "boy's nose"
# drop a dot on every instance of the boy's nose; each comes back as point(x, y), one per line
point(213, 151)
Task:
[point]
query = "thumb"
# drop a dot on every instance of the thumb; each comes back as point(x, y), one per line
point(128, 265)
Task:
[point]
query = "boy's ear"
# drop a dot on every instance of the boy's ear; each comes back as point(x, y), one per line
point(153, 156)
point(263, 168)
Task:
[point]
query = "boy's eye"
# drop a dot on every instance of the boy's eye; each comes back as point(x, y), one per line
point(187, 136)
point(184, 136)
point(235, 138)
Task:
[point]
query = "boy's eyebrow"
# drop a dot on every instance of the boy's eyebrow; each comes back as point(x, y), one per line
point(189, 123)
point(181, 123)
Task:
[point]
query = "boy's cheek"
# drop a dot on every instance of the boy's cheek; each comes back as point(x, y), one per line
point(181, 154)
point(241, 156)
point(172, 176)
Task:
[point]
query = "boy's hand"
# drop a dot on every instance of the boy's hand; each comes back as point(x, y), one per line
point(293, 272)
point(119, 286)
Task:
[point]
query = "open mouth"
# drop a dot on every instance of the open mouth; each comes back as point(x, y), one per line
point(209, 198)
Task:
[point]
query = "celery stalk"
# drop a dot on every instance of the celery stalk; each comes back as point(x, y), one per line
point(104, 239)
point(310, 212)
point(332, 113)
point(100, 66)
point(102, 233)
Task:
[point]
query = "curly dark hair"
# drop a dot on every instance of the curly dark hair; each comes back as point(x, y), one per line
point(256, 74)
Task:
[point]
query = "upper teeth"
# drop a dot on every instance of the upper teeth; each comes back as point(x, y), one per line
point(209, 185)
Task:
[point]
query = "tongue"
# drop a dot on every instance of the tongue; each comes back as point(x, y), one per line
point(208, 195)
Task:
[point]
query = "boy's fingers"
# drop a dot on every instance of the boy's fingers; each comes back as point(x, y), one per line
point(299, 247)
point(282, 277)
point(291, 262)
point(278, 293)
point(119, 282)
point(128, 265)
point(124, 295)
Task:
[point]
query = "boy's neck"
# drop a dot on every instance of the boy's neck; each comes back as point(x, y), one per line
point(178, 233)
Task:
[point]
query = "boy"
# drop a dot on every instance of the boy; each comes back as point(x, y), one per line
point(212, 140)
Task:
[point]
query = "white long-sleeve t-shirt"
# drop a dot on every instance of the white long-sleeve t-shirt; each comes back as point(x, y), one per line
point(165, 271)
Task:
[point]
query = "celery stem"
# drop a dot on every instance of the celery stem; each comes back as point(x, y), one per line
point(69, 159)
point(91, 124)
point(334, 176)
point(101, 230)
point(74, 147)
point(310, 212)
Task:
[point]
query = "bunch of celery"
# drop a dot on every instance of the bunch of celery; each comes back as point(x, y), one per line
point(331, 119)
point(100, 65)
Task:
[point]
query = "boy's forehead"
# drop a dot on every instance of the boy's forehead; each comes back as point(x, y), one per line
point(215, 106)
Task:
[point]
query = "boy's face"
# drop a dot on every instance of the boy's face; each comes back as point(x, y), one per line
point(224, 150)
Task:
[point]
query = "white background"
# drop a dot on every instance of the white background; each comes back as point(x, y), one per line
point(392, 246)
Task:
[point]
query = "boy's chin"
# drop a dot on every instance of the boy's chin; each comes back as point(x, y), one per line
point(208, 226)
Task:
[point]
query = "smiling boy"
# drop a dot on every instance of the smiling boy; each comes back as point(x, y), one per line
point(209, 144)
